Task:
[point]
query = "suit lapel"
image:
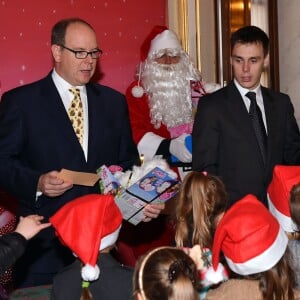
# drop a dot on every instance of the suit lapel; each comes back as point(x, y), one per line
point(239, 111)
point(97, 121)
point(270, 113)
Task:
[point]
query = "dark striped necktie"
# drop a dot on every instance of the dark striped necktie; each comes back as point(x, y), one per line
point(258, 125)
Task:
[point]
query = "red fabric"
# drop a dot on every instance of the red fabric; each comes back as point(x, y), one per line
point(139, 115)
point(253, 220)
point(284, 178)
point(81, 224)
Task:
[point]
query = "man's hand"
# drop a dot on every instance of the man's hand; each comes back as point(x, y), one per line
point(52, 186)
point(179, 149)
point(152, 211)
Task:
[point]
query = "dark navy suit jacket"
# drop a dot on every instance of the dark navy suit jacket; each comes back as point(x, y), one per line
point(115, 281)
point(224, 141)
point(36, 136)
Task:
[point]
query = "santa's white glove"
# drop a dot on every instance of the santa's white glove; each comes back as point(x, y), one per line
point(179, 149)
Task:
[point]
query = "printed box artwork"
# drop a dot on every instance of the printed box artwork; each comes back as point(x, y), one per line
point(157, 186)
point(108, 183)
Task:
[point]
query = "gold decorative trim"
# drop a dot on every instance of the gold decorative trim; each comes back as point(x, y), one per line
point(198, 36)
point(184, 19)
point(183, 23)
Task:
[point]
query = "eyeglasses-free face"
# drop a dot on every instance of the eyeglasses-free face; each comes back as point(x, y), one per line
point(82, 54)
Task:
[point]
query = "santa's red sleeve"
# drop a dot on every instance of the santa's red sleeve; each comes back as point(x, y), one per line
point(146, 137)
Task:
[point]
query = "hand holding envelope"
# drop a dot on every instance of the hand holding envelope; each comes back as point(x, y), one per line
point(79, 178)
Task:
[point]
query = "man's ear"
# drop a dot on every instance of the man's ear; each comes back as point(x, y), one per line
point(266, 61)
point(56, 52)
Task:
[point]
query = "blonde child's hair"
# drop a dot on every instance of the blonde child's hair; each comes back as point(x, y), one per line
point(201, 201)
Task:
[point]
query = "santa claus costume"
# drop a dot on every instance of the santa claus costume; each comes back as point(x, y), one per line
point(161, 116)
point(162, 101)
point(254, 246)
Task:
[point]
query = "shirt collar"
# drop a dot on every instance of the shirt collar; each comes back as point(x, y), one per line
point(244, 91)
point(62, 85)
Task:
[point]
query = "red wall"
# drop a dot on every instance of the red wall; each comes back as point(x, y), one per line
point(121, 26)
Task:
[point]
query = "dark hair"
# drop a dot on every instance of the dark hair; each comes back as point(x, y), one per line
point(58, 32)
point(250, 35)
point(278, 282)
point(166, 273)
point(201, 200)
point(295, 204)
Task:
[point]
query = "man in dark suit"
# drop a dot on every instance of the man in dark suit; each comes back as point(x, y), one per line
point(37, 140)
point(224, 138)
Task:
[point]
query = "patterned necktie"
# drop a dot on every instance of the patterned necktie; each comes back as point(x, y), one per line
point(258, 125)
point(75, 112)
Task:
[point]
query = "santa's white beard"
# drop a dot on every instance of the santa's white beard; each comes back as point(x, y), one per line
point(169, 92)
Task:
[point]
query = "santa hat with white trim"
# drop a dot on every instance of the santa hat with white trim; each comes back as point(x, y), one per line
point(87, 225)
point(165, 40)
point(284, 178)
point(250, 238)
point(160, 37)
point(145, 47)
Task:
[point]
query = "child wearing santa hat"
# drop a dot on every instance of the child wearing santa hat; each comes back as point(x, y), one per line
point(283, 180)
point(89, 226)
point(284, 204)
point(255, 248)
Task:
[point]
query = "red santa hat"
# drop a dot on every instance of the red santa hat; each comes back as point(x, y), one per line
point(250, 238)
point(137, 91)
point(147, 42)
point(165, 40)
point(159, 38)
point(87, 225)
point(284, 178)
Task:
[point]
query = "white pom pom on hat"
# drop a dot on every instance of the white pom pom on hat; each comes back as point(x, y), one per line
point(87, 225)
point(137, 91)
point(90, 273)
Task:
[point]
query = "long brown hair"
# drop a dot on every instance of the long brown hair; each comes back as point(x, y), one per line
point(276, 283)
point(166, 273)
point(201, 200)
